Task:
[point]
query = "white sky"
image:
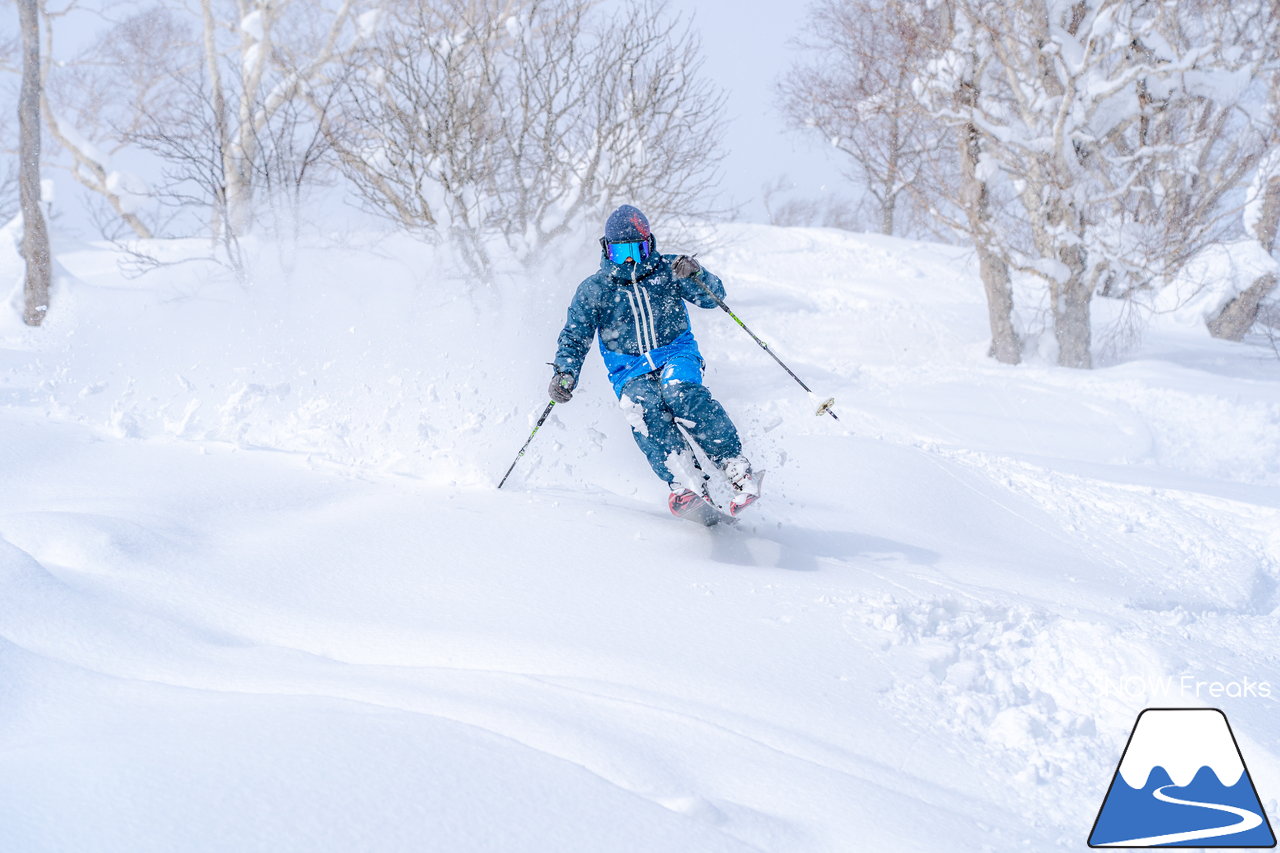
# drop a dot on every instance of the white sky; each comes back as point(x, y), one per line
point(747, 51)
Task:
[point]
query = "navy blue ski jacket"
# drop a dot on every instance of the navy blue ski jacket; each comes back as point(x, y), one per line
point(640, 314)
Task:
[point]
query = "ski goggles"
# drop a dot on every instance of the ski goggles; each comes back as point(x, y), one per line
point(636, 251)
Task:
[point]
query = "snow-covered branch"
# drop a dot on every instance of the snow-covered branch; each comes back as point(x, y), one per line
point(1120, 130)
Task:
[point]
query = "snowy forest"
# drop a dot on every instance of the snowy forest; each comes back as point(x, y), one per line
point(281, 285)
point(1081, 148)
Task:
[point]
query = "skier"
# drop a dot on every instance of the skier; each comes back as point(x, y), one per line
point(636, 302)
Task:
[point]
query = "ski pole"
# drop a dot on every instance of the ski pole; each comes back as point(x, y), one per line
point(536, 427)
point(825, 407)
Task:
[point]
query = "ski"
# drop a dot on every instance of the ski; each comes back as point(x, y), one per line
point(692, 507)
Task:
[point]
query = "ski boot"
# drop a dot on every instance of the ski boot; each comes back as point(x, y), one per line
point(746, 488)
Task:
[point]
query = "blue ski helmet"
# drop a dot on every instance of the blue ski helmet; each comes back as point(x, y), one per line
point(625, 225)
point(627, 235)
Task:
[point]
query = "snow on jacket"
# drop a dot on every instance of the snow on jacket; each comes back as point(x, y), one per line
point(640, 314)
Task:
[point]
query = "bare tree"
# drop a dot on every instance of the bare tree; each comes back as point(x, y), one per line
point(89, 103)
point(654, 129)
point(1057, 112)
point(598, 109)
point(252, 92)
point(244, 71)
point(10, 51)
point(854, 90)
point(896, 87)
point(232, 107)
point(1193, 142)
point(294, 154)
point(418, 132)
point(35, 234)
point(975, 194)
point(1262, 222)
point(181, 131)
point(942, 74)
point(1100, 142)
point(10, 61)
point(1237, 317)
point(480, 119)
point(8, 191)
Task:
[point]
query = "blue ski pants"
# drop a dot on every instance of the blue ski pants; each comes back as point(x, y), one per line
point(655, 401)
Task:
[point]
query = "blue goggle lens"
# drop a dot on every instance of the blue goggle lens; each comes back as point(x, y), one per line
point(635, 251)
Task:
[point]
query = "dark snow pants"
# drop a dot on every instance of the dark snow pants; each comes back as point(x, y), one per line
point(655, 402)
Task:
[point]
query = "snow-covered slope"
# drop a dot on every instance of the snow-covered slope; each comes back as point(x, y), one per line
point(258, 592)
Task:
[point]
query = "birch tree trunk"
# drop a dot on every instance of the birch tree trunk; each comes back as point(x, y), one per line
point(242, 148)
point(1064, 240)
point(889, 206)
point(35, 234)
point(243, 113)
point(1072, 326)
point(1006, 346)
point(1238, 316)
point(219, 105)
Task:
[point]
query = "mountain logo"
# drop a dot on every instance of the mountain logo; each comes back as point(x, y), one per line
point(1181, 782)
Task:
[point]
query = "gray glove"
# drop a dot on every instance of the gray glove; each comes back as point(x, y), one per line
point(685, 267)
point(561, 388)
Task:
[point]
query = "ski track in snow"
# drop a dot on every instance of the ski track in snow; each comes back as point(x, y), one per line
point(283, 573)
